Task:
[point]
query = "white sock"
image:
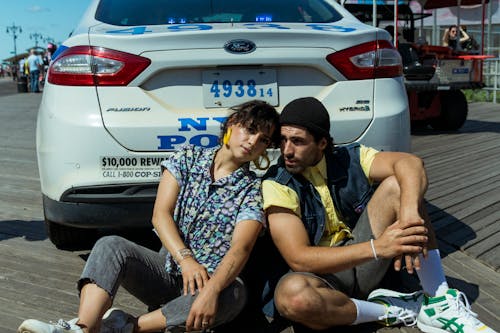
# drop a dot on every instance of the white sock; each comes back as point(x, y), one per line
point(431, 274)
point(367, 311)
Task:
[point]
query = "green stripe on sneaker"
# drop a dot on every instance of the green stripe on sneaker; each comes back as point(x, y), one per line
point(430, 312)
point(434, 300)
point(451, 325)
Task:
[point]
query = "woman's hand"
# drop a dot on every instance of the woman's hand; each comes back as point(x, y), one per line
point(203, 310)
point(194, 275)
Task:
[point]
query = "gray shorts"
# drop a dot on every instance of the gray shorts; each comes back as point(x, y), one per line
point(115, 261)
point(359, 281)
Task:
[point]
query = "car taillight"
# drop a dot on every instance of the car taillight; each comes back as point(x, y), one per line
point(95, 66)
point(372, 60)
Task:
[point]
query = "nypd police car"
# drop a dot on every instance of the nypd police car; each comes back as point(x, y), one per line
point(138, 79)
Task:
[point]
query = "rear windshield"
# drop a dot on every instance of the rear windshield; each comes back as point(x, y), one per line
point(152, 12)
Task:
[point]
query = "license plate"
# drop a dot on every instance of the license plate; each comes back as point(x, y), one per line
point(226, 88)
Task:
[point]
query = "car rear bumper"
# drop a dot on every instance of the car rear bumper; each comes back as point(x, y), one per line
point(103, 206)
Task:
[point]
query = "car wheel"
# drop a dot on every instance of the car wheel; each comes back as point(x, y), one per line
point(454, 109)
point(419, 124)
point(70, 238)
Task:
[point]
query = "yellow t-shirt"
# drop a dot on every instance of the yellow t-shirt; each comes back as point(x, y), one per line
point(279, 195)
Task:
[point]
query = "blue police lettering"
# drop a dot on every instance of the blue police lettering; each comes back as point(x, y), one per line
point(329, 27)
point(187, 27)
point(260, 24)
point(265, 25)
point(204, 140)
point(172, 142)
point(200, 124)
point(168, 141)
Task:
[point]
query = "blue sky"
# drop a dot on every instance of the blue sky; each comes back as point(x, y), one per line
point(50, 18)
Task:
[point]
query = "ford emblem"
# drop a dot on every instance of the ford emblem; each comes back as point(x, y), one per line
point(240, 46)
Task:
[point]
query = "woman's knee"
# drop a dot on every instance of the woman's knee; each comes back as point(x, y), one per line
point(110, 251)
point(110, 244)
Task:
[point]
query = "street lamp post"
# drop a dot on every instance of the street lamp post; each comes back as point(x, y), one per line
point(14, 29)
point(49, 40)
point(36, 36)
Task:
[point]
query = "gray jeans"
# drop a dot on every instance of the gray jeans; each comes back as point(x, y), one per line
point(116, 261)
point(359, 281)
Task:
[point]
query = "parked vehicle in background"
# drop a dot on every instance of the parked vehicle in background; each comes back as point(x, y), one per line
point(137, 79)
point(434, 75)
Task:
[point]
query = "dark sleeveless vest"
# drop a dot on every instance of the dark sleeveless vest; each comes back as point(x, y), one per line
point(350, 191)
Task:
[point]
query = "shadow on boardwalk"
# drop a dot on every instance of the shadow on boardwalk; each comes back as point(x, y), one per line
point(31, 231)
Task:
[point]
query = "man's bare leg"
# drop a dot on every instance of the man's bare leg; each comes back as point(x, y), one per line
point(308, 300)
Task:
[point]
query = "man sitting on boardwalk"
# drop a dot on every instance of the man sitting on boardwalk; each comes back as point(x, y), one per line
point(334, 234)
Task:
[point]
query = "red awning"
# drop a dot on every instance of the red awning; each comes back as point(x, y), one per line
point(433, 4)
point(475, 57)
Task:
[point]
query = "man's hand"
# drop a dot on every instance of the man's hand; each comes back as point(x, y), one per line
point(411, 260)
point(402, 239)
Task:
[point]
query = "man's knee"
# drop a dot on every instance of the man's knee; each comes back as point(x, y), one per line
point(390, 187)
point(387, 197)
point(294, 296)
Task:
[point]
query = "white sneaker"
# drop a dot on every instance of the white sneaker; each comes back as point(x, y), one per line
point(117, 321)
point(36, 326)
point(449, 313)
point(402, 308)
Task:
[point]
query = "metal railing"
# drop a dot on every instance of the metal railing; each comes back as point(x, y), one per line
point(491, 78)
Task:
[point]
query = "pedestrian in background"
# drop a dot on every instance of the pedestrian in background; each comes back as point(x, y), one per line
point(34, 65)
point(452, 39)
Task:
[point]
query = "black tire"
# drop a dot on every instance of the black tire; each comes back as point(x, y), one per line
point(454, 109)
point(70, 238)
point(419, 124)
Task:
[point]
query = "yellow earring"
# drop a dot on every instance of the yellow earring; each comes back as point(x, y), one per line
point(227, 136)
point(258, 161)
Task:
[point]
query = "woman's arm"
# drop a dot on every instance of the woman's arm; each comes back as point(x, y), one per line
point(204, 308)
point(194, 275)
point(446, 37)
point(244, 237)
point(463, 36)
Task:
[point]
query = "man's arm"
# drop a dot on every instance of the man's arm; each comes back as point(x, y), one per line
point(291, 239)
point(411, 176)
point(412, 179)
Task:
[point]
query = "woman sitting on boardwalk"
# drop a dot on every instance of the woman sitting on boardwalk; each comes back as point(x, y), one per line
point(208, 214)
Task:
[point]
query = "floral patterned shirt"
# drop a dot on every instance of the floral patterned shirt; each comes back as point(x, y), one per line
point(207, 211)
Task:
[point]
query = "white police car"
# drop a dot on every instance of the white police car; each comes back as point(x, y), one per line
point(137, 79)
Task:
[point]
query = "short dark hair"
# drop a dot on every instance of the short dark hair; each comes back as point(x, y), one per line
point(255, 114)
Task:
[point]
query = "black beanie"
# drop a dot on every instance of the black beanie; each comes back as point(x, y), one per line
point(307, 112)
